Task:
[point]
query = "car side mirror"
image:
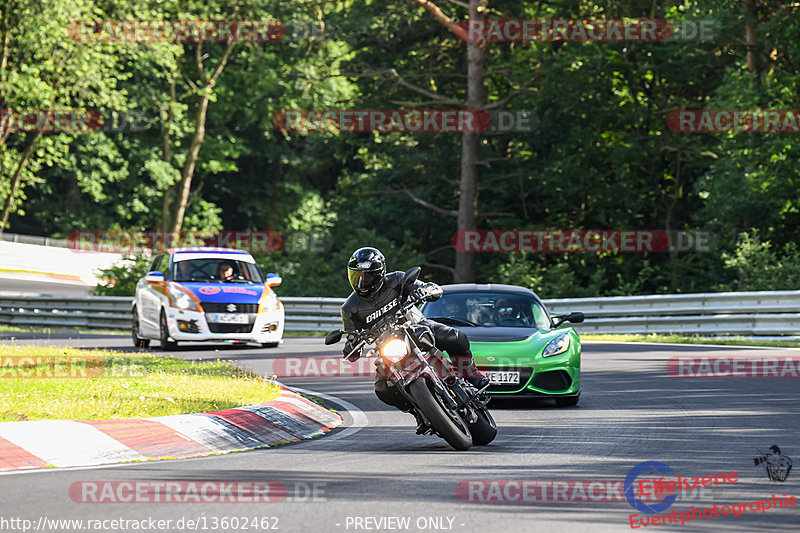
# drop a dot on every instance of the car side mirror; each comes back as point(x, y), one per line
point(154, 277)
point(575, 318)
point(333, 337)
point(273, 280)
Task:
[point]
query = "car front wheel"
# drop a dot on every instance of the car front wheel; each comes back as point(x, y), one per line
point(165, 343)
point(138, 342)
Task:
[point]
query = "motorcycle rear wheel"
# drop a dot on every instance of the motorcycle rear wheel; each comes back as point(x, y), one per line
point(456, 435)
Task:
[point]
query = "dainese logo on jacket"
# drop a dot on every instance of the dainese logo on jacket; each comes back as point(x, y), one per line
point(382, 311)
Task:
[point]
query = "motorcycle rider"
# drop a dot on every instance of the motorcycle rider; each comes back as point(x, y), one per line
point(376, 293)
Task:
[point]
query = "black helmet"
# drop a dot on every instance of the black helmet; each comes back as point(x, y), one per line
point(365, 271)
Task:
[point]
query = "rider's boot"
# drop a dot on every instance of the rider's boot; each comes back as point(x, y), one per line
point(422, 426)
point(479, 382)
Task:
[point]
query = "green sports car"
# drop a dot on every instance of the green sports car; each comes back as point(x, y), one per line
point(522, 349)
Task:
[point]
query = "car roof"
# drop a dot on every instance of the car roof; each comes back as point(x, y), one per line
point(489, 287)
point(185, 254)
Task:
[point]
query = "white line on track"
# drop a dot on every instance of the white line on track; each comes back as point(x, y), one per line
point(359, 423)
point(359, 418)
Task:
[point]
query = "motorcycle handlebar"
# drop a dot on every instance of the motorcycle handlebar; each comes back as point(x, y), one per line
point(365, 337)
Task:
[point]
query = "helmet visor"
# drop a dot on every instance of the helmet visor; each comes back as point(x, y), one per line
point(363, 281)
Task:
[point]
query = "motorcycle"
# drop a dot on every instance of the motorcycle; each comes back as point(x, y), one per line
point(452, 407)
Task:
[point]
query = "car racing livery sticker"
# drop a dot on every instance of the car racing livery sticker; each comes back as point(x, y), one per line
point(208, 290)
point(239, 290)
point(226, 293)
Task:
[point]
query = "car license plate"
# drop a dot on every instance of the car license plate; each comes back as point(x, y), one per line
point(231, 318)
point(503, 378)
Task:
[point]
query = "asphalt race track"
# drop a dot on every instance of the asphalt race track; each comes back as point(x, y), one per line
point(632, 410)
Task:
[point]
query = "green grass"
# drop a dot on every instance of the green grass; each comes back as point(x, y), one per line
point(124, 386)
point(681, 339)
point(63, 329)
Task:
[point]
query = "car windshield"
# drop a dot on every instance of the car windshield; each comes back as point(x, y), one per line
point(216, 270)
point(490, 309)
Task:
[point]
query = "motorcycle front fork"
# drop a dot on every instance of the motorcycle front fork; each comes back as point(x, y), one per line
point(450, 389)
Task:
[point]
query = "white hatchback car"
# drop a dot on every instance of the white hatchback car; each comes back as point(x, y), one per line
point(206, 294)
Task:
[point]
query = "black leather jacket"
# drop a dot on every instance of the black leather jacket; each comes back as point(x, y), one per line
point(361, 313)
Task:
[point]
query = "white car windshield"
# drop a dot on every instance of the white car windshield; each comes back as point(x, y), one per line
point(221, 270)
point(490, 309)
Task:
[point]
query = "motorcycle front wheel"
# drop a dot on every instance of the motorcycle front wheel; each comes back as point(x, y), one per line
point(483, 430)
point(448, 424)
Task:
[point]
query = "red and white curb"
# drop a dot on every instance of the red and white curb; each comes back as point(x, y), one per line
point(59, 443)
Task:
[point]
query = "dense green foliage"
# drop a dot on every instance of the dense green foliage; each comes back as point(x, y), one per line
point(121, 278)
point(600, 154)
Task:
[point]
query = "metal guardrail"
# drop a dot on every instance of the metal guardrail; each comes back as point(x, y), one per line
point(772, 313)
point(34, 239)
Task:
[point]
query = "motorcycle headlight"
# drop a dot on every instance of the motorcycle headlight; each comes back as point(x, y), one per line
point(394, 350)
point(557, 346)
point(182, 298)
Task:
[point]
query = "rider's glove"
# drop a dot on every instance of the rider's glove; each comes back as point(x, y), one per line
point(348, 347)
point(430, 292)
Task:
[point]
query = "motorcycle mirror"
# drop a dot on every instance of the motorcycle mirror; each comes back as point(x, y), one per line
point(411, 276)
point(333, 337)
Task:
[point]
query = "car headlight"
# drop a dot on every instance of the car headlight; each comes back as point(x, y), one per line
point(183, 299)
point(268, 302)
point(394, 350)
point(557, 346)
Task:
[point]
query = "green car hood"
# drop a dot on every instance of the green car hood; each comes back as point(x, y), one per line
point(511, 346)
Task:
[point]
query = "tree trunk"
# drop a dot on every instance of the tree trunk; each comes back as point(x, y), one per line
point(751, 32)
point(672, 202)
point(185, 185)
point(15, 181)
point(166, 155)
point(4, 133)
point(470, 151)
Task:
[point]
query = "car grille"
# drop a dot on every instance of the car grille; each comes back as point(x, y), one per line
point(229, 328)
point(213, 307)
point(524, 376)
point(556, 380)
point(510, 338)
